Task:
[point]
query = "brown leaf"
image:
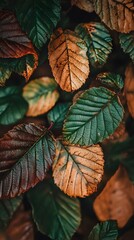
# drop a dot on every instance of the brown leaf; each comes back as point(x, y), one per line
point(129, 88)
point(85, 5)
point(116, 201)
point(68, 59)
point(78, 170)
point(116, 14)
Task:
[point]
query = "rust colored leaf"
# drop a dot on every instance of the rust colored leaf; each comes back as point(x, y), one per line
point(78, 170)
point(68, 59)
point(116, 14)
point(85, 5)
point(116, 201)
point(129, 88)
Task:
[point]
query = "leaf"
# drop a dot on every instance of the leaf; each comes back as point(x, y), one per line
point(98, 42)
point(116, 14)
point(112, 80)
point(38, 18)
point(68, 60)
point(57, 115)
point(4, 75)
point(41, 95)
point(127, 44)
point(78, 170)
point(85, 5)
point(7, 209)
point(12, 105)
point(26, 153)
point(129, 88)
point(59, 216)
point(93, 117)
point(104, 231)
point(116, 201)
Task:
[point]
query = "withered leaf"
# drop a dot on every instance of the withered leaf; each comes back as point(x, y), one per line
point(78, 170)
point(85, 5)
point(116, 201)
point(68, 59)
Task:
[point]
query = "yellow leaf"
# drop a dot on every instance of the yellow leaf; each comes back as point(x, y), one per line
point(78, 170)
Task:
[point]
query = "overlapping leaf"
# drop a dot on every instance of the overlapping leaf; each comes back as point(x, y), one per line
point(26, 153)
point(38, 18)
point(68, 60)
point(95, 115)
point(41, 95)
point(59, 217)
point(77, 170)
point(112, 80)
point(127, 43)
point(85, 5)
point(116, 201)
point(4, 75)
point(116, 14)
point(13, 107)
point(107, 230)
point(98, 41)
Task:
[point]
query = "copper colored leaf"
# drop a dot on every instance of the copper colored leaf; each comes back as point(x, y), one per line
point(129, 88)
point(116, 14)
point(78, 170)
point(26, 153)
point(68, 60)
point(41, 95)
point(116, 201)
point(85, 5)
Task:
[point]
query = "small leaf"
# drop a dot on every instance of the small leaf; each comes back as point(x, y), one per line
point(116, 14)
point(78, 170)
point(68, 60)
point(127, 43)
point(85, 5)
point(38, 18)
point(12, 105)
point(98, 41)
point(26, 153)
point(95, 115)
point(4, 75)
point(7, 209)
point(60, 216)
point(112, 80)
point(116, 201)
point(41, 95)
point(107, 230)
point(57, 115)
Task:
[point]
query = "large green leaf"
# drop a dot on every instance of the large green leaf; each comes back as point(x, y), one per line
point(127, 43)
point(98, 41)
point(7, 209)
point(4, 75)
point(93, 117)
point(12, 105)
point(104, 231)
point(56, 215)
point(26, 154)
point(38, 18)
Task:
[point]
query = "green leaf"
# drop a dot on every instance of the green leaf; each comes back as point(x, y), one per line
point(107, 230)
point(12, 105)
point(98, 41)
point(38, 18)
point(26, 154)
point(4, 75)
point(7, 209)
point(57, 115)
point(93, 117)
point(112, 80)
point(56, 215)
point(127, 43)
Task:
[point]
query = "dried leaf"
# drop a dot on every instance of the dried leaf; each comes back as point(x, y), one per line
point(78, 170)
point(68, 60)
point(116, 201)
point(41, 95)
point(85, 5)
point(129, 88)
point(116, 14)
